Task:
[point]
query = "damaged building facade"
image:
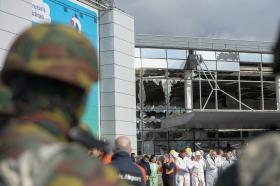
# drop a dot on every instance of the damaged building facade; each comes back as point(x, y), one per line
point(204, 105)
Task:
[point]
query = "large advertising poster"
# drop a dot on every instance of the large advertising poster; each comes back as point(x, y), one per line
point(84, 19)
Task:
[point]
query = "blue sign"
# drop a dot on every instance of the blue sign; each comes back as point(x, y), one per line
point(84, 19)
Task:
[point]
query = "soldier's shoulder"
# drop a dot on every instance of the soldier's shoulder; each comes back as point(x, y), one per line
point(75, 167)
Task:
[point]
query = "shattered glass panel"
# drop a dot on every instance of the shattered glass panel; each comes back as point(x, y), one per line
point(139, 147)
point(250, 57)
point(153, 119)
point(148, 147)
point(154, 93)
point(267, 58)
point(196, 98)
point(227, 56)
point(180, 135)
point(176, 92)
point(251, 95)
point(138, 95)
point(139, 135)
point(138, 120)
point(153, 53)
point(176, 74)
point(176, 54)
point(228, 66)
point(227, 75)
point(161, 147)
point(225, 101)
point(207, 55)
point(205, 92)
point(152, 135)
point(176, 113)
point(269, 92)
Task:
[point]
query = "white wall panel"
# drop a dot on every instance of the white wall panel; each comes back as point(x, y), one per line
point(123, 73)
point(107, 113)
point(6, 39)
point(124, 100)
point(123, 46)
point(107, 71)
point(124, 59)
point(125, 87)
point(108, 99)
point(107, 85)
point(107, 57)
point(107, 44)
point(17, 7)
point(13, 24)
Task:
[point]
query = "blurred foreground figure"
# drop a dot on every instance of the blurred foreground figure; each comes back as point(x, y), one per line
point(122, 161)
point(49, 70)
point(260, 160)
point(6, 105)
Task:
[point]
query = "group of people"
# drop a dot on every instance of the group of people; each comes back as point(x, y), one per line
point(186, 167)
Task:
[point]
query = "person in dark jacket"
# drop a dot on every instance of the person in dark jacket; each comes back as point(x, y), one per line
point(144, 162)
point(122, 161)
point(167, 171)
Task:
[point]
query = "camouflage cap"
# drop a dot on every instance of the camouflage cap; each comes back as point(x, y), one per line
point(6, 104)
point(276, 52)
point(53, 51)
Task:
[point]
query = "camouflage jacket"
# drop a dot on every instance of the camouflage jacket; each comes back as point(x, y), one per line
point(31, 156)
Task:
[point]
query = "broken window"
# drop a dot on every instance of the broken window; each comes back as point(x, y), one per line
point(269, 92)
point(227, 56)
point(154, 93)
point(251, 95)
point(153, 119)
point(225, 101)
point(176, 94)
point(205, 93)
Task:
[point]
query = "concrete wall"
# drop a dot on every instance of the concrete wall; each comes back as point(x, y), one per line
point(118, 105)
point(15, 17)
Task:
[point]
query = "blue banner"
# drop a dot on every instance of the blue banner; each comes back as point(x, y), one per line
point(83, 19)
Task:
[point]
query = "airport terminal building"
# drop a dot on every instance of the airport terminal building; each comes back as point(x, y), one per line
point(162, 91)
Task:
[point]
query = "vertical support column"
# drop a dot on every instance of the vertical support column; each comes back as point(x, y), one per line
point(117, 76)
point(277, 80)
point(188, 90)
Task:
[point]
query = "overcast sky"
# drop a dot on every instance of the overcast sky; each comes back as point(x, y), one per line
point(230, 19)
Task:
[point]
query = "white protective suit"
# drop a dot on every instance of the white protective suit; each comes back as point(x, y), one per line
point(198, 173)
point(182, 176)
point(219, 162)
point(211, 171)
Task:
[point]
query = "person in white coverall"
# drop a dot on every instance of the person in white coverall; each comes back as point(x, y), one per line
point(211, 169)
point(182, 176)
point(228, 162)
point(198, 166)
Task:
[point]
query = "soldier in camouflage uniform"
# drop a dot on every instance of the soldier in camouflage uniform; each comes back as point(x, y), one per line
point(259, 164)
point(6, 105)
point(49, 70)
